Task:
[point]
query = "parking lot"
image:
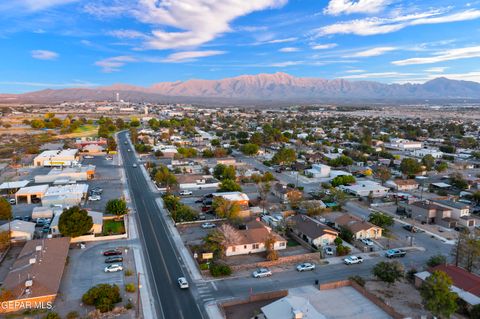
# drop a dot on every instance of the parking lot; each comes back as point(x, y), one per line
point(85, 269)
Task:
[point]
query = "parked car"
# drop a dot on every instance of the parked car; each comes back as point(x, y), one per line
point(94, 198)
point(367, 241)
point(208, 225)
point(395, 253)
point(134, 165)
point(182, 283)
point(46, 229)
point(353, 260)
point(114, 268)
point(328, 250)
point(108, 158)
point(114, 259)
point(410, 228)
point(36, 200)
point(261, 272)
point(112, 252)
point(12, 201)
point(199, 201)
point(305, 267)
point(125, 142)
point(97, 189)
point(185, 193)
point(88, 156)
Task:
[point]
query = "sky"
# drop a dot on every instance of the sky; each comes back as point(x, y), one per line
point(88, 43)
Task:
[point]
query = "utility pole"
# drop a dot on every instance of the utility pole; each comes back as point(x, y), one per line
point(138, 295)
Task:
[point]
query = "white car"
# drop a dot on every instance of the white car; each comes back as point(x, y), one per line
point(261, 272)
point(88, 156)
point(353, 260)
point(305, 267)
point(114, 268)
point(12, 201)
point(185, 193)
point(367, 241)
point(182, 282)
point(208, 225)
point(134, 165)
point(94, 198)
point(328, 251)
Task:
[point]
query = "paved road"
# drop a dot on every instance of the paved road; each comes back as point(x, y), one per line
point(163, 262)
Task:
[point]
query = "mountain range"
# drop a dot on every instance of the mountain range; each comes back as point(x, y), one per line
point(261, 89)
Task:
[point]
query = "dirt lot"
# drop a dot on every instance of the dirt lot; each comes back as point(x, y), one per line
point(402, 296)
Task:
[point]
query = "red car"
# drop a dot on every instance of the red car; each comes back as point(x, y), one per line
point(112, 252)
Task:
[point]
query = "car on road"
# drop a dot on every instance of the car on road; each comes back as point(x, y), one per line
point(125, 142)
point(112, 252)
point(353, 260)
point(395, 253)
point(113, 268)
point(113, 259)
point(208, 225)
point(108, 158)
point(261, 272)
point(185, 193)
point(94, 198)
point(134, 165)
point(367, 241)
point(88, 156)
point(12, 201)
point(200, 200)
point(328, 250)
point(97, 189)
point(182, 282)
point(129, 150)
point(306, 267)
point(410, 228)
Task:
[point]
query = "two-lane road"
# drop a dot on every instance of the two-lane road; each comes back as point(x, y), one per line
point(163, 262)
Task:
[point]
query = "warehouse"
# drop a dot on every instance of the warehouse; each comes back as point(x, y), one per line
point(29, 193)
point(67, 175)
point(57, 158)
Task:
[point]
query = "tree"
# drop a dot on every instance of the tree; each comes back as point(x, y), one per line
point(263, 190)
point(5, 209)
point(388, 272)
point(294, 197)
point(410, 166)
point(4, 240)
point(75, 222)
point(441, 167)
point(116, 207)
point(342, 160)
point(343, 180)
point(225, 208)
point(457, 180)
point(249, 149)
point(213, 242)
point(381, 220)
point(284, 156)
point(111, 144)
point(228, 185)
point(383, 173)
point(165, 178)
point(271, 253)
point(436, 260)
point(429, 161)
point(437, 296)
point(466, 251)
point(475, 312)
point(102, 296)
point(222, 172)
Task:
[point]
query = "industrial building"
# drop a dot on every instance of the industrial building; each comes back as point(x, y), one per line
point(57, 158)
point(67, 175)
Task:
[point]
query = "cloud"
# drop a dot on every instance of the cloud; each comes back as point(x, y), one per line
point(47, 85)
point(355, 71)
point(379, 75)
point(324, 46)
point(190, 55)
point(441, 56)
point(37, 5)
point(114, 64)
point(285, 64)
point(44, 55)
point(289, 49)
point(274, 41)
point(183, 24)
point(371, 52)
point(127, 34)
point(372, 26)
point(337, 7)
point(439, 69)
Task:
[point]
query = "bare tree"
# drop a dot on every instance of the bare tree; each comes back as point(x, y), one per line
point(230, 235)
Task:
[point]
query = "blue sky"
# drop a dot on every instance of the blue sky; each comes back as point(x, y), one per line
point(83, 43)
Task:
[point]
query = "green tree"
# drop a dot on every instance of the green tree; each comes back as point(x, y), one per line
point(165, 178)
point(441, 167)
point(475, 312)
point(116, 207)
point(249, 149)
point(5, 209)
point(284, 156)
point(342, 160)
point(436, 260)
point(228, 185)
point(457, 180)
point(437, 296)
point(75, 222)
point(225, 208)
point(218, 171)
point(103, 297)
point(111, 144)
point(343, 180)
point(429, 162)
point(388, 271)
point(410, 166)
point(381, 220)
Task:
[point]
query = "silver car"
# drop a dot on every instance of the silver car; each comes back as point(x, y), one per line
point(306, 267)
point(261, 272)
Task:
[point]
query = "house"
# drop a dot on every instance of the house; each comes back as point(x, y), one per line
point(312, 231)
point(57, 158)
point(430, 213)
point(97, 218)
point(403, 184)
point(459, 211)
point(318, 171)
point(403, 144)
point(19, 230)
point(291, 307)
point(252, 240)
point(365, 189)
point(65, 195)
point(196, 181)
point(283, 192)
point(427, 151)
point(237, 197)
point(35, 276)
point(465, 284)
point(360, 228)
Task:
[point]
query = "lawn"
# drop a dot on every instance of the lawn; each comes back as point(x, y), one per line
point(87, 130)
point(113, 227)
point(292, 243)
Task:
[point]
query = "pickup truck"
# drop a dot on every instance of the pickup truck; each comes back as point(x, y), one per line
point(353, 260)
point(395, 253)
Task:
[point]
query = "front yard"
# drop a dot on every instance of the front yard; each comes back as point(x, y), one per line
point(113, 227)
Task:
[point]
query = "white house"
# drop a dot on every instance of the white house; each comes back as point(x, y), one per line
point(319, 171)
point(403, 144)
point(365, 188)
point(19, 230)
point(427, 151)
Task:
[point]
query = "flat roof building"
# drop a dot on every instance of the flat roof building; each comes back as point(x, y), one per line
point(56, 158)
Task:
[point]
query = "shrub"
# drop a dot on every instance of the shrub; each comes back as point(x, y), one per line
point(130, 287)
point(102, 296)
point(128, 272)
point(129, 305)
point(204, 266)
point(343, 250)
point(436, 260)
point(388, 272)
point(73, 315)
point(52, 315)
point(217, 270)
point(358, 279)
point(410, 275)
point(338, 241)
